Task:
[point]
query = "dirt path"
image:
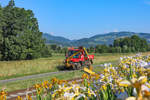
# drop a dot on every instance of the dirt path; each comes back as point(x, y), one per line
point(31, 77)
point(36, 76)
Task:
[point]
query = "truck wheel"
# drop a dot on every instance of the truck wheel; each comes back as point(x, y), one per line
point(78, 66)
point(91, 61)
point(74, 67)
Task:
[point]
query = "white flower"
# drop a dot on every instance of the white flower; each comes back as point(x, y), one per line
point(66, 94)
point(134, 92)
point(81, 95)
point(145, 88)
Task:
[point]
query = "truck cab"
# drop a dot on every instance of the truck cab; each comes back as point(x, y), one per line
point(78, 57)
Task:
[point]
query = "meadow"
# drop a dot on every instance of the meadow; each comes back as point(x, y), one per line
point(12, 69)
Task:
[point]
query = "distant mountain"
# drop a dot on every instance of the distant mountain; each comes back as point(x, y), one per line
point(50, 39)
point(92, 41)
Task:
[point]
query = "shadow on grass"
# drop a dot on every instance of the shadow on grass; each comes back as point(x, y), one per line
point(63, 68)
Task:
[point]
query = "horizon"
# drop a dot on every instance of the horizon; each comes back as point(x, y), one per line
point(96, 34)
point(76, 19)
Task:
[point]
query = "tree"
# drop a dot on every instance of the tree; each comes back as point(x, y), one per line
point(125, 49)
point(131, 44)
point(102, 48)
point(21, 36)
point(54, 47)
point(46, 51)
point(91, 49)
point(11, 3)
point(1, 37)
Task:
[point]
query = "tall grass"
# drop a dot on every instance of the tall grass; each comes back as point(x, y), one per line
point(12, 69)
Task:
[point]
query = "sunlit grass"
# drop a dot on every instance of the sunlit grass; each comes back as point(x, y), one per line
point(12, 86)
point(47, 65)
point(12, 69)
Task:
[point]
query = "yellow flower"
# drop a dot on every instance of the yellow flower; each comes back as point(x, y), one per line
point(37, 86)
point(50, 86)
point(147, 94)
point(29, 97)
point(84, 76)
point(44, 84)
point(105, 70)
point(122, 90)
point(74, 82)
point(104, 87)
point(142, 79)
point(54, 80)
point(19, 98)
point(134, 75)
point(3, 95)
point(124, 83)
point(97, 77)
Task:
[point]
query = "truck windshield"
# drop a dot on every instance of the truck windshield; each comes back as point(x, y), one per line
point(71, 52)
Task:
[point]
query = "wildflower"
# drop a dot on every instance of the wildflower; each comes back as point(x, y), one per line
point(124, 83)
point(29, 97)
point(74, 82)
point(19, 98)
point(54, 80)
point(37, 86)
point(50, 86)
point(104, 87)
point(45, 84)
point(84, 76)
point(69, 96)
point(3, 95)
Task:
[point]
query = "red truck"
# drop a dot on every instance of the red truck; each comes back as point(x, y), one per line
point(76, 58)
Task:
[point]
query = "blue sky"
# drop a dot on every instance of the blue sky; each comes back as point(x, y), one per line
point(76, 19)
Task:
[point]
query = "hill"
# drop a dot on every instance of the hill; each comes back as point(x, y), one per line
point(50, 39)
point(107, 38)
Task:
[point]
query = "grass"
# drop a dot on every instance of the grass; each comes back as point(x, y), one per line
point(29, 83)
point(21, 68)
point(17, 85)
point(12, 69)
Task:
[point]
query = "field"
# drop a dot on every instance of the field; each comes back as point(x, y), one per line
point(13, 69)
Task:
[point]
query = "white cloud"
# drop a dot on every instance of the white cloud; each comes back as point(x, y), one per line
point(116, 30)
point(51, 33)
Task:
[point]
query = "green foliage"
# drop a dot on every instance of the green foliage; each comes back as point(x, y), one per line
point(124, 45)
point(102, 49)
point(1, 37)
point(131, 44)
point(20, 37)
point(46, 51)
point(58, 49)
